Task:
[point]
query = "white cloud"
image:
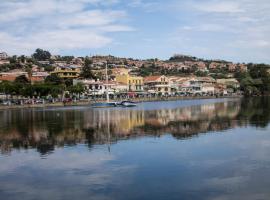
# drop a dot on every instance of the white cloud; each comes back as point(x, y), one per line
point(214, 27)
point(219, 7)
point(148, 6)
point(58, 25)
point(93, 17)
point(237, 29)
point(54, 41)
point(204, 27)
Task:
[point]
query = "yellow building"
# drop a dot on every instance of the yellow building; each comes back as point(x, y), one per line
point(135, 83)
point(67, 72)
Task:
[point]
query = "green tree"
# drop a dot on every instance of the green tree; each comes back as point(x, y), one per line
point(201, 73)
point(76, 89)
point(22, 80)
point(22, 58)
point(6, 87)
point(48, 68)
point(53, 79)
point(13, 59)
point(41, 54)
point(86, 70)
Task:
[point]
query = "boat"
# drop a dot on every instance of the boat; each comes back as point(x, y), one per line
point(104, 104)
point(128, 104)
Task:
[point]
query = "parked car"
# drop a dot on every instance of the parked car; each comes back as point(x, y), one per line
point(38, 101)
point(5, 103)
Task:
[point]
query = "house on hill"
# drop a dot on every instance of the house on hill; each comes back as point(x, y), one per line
point(3, 56)
point(157, 84)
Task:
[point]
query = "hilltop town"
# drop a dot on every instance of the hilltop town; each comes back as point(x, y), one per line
point(45, 76)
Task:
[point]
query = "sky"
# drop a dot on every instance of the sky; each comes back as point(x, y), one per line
point(234, 30)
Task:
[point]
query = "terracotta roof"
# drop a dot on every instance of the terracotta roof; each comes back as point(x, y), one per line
point(7, 78)
point(151, 78)
point(37, 79)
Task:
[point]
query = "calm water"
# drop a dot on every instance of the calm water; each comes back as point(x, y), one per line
point(198, 149)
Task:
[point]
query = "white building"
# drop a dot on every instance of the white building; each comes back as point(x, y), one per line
point(98, 88)
point(3, 56)
point(197, 85)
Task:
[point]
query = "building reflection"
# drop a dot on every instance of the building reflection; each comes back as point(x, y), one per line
point(46, 130)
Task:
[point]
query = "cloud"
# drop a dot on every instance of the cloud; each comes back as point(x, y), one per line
point(219, 7)
point(225, 29)
point(238, 30)
point(148, 6)
point(59, 25)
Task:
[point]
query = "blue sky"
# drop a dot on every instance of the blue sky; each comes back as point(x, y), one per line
point(237, 30)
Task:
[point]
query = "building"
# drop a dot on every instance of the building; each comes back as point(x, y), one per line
point(3, 56)
point(221, 89)
point(67, 72)
point(119, 71)
point(207, 89)
point(77, 61)
point(135, 83)
point(206, 80)
point(157, 84)
point(196, 85)
point(231, 82)
point(2, 62)
point(99, 88)
point(189, 85)
point(12, 75)
point(38, 76)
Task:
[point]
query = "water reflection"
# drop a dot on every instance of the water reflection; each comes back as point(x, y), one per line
point(47, 129)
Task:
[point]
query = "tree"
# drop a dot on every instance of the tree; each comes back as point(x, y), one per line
point(53, 79)
point(68, 82)
point(68, 59)
point(6, 87)
point(22, 80)
point(13, 59)
point(22, 58)
point(201, 73)
point(76, 89)
point(41, 54)
point(86, 70)
point(48, 68)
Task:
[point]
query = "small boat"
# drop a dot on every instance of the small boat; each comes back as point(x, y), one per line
point(127, 104)
point(104, 104)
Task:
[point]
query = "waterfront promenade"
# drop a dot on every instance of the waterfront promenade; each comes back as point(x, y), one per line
point(86, 102)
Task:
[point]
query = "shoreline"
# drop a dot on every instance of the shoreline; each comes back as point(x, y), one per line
point(88, 103)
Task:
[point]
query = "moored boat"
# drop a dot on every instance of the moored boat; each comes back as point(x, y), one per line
point(104, 104)
point(128, 104)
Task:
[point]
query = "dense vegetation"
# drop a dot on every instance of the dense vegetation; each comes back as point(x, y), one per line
point(256, 80)
point(53, 86)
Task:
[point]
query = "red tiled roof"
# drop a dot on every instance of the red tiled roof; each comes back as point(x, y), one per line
point(7, 78)
point(151, 78)
point(36, 79)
